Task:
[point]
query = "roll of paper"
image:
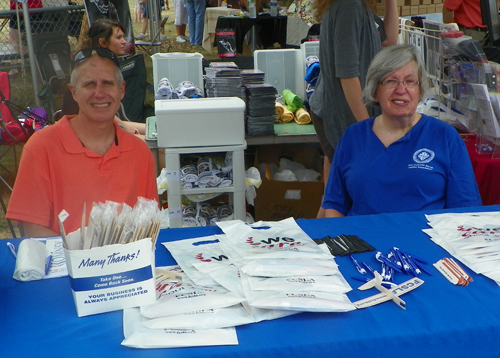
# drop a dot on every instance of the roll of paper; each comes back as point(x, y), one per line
point(30, 262)
point(302, 116)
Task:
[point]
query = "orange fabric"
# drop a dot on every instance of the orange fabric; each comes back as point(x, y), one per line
point(57, 172)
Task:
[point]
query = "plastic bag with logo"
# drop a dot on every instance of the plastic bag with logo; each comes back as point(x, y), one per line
point(138, 336)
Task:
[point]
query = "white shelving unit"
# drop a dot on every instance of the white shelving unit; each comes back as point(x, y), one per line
point(175, 191)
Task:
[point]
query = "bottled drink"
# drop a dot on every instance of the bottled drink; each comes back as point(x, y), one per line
point(274, 8)
point(251, 9)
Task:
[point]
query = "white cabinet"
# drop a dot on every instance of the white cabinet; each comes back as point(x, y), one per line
point(175, 191)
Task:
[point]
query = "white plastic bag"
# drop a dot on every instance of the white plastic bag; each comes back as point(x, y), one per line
point(274, 239)
point(297, 301)
point(138, 336)
point(202, 249)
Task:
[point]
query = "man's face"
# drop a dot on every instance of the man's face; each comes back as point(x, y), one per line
point(97, 91)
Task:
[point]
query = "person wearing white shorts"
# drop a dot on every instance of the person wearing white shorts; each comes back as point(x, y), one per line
point(181, 20)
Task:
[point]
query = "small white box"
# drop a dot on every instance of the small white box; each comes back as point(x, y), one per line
point(112, 277)
point(178, 67)
point(200, 122)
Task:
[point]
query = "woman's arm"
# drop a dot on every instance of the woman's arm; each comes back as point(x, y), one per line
point(391, 23)
point(352, 92)
point(332, 213)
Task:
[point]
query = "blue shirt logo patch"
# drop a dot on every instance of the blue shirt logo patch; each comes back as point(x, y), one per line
point(423, 155)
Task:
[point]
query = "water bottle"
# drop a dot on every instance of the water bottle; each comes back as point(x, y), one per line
point(251, 9)
point(274, 8)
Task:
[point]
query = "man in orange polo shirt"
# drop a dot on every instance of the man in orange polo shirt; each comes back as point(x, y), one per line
point(84, 158)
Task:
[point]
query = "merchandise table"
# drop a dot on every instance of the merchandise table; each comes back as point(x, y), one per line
point(440, 319)
point(270, 29)
point(486, 171)
point(212, 14)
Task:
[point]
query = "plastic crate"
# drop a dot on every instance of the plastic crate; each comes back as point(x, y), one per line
point(178, 67)
point(284, 69)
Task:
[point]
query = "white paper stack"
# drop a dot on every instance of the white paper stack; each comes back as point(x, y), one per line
point(473, 238)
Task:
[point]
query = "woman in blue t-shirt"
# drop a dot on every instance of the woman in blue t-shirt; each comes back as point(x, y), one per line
point(400, 160)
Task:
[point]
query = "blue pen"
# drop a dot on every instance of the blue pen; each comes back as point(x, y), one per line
point(372, 271)
point(358, 267)
point(12, 249)
point(48, 262)
point(416, 258)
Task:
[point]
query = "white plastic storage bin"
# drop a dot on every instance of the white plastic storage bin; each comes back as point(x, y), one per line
point(284, 69)
point(310, 48)
point(178, 67)
point(200, 122)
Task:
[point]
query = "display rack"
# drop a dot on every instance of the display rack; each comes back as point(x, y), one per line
point(175, 191)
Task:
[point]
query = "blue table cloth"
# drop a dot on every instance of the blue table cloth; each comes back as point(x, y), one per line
point(39, 318)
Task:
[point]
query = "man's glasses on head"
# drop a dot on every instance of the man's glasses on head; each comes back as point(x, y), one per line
point(100, 51)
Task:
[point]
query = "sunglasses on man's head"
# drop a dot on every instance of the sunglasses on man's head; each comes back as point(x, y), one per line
point(100, 51)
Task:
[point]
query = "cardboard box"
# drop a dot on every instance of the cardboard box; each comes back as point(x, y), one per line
point(414, 10)
point(425, 2)
point(405, 11)
point(412, 2)
point(380, 9)
point(110, 278)
point(200, 122)
point(271, 203)
point(400, 3)
point(431, 9)
point(422, 9)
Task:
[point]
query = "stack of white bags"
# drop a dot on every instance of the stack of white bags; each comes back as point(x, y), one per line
point(473, 238)
point(252, 273)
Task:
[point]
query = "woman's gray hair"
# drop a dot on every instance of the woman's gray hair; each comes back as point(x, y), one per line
point(388, 60)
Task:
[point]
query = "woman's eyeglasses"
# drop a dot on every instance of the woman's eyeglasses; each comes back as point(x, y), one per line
point(408, 83)
point(100, 51)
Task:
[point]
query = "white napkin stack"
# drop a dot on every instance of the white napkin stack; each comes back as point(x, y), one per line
point(30, 262)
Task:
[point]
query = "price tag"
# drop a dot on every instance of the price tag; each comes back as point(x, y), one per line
point(173, 175)
point(175, 213)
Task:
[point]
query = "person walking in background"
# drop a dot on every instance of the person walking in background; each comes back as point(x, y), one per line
point(181, 20)
point(138, 11)
point(145, 20)
point(16, 27)
point(351, 35)
point(467, 15)
point(196, 19)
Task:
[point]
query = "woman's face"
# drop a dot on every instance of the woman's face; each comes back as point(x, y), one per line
point(116, 42)
point(401, 100)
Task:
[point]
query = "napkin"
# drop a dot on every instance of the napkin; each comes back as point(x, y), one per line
point(285, 114)
point(302, 116)
point(292, 101)
point(30, 262)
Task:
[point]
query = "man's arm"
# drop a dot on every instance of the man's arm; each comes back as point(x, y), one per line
point(35, 230)
point(447, 15)
point(352, 92)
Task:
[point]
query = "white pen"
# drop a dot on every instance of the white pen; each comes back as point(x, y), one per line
point(12, 249)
